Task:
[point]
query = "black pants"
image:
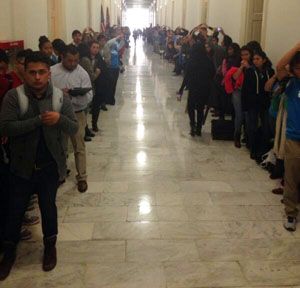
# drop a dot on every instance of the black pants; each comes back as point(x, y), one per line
point(258, 145)
point(222, 99)
point(4, 198)
point(192, 115)
point(114, 75)
point(45, 183)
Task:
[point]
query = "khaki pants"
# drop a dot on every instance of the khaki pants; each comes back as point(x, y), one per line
point(292, 177)
point(79, 147)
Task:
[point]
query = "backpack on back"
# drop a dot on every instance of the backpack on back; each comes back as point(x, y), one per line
point(57, 100)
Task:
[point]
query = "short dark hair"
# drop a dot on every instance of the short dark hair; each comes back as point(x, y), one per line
point(3, 57)
point(84, 50)
point(91, 42)
point(37, 57)
point(23, 53)
point(59, 45)
point(75, 32)
point(71, 49)
point(42, 41)
point(295, 61)
point(100, 37)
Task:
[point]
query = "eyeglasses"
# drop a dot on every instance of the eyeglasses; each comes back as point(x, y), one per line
point(21, 63)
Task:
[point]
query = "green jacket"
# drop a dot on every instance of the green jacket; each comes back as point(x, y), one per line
point(24, 131)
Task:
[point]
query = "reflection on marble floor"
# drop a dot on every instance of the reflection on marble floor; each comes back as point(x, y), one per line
point(163, 210)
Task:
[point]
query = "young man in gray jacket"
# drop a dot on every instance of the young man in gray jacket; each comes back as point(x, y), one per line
point(34, 117)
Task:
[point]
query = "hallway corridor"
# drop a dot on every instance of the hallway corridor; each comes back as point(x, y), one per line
point(163, 209)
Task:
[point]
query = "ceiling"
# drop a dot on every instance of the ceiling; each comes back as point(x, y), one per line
point(138, 3)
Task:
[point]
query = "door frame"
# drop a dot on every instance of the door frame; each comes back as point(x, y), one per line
point(244, 32)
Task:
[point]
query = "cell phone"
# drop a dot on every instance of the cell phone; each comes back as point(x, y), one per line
point(219, 29)
point(79, 91)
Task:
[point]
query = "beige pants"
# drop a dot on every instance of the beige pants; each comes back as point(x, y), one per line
point(79, 147)
point(279, 142)
point(292, 177)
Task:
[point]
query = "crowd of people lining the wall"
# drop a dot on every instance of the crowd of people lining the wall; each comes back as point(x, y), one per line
point(241, 81)
point(38, 116)
point(45, 98)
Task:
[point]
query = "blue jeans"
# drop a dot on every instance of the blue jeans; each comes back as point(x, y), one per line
point(45, 183)
point(239, 116)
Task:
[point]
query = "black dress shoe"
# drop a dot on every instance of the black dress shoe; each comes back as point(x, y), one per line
point(95, 128)
point(104, 108)
point(87, 139)
point(88, 133)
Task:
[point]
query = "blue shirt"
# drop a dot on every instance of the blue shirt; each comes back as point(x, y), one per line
point(114, 57)
point(293, 119)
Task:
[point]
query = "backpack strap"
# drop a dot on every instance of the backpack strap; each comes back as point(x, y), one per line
point(57, 99)
point(23, 100)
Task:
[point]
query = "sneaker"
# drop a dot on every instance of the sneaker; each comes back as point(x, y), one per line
point(290, 224)
point(25, 234)
point(30, 220)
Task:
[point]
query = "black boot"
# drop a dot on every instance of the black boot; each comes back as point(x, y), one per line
point(237, 140)
point(50, 260)
point(8, 260)
point(95, 117)
point(199, 130)
point(193, 130)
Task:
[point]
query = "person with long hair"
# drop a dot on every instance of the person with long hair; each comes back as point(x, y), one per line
point(256, 103)
point(46, 47)
point(200, 73)
point(235, 77)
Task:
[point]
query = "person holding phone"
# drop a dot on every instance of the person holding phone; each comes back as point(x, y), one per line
point(66, 76)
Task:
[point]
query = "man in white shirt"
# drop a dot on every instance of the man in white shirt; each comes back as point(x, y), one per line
point(66, 76)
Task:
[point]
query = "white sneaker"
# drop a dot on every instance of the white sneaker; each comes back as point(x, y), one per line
point(290, 224)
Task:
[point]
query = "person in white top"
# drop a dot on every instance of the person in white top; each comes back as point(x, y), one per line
point(67, 76)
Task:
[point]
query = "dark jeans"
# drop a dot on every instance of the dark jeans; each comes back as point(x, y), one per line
point(238, 113)
point(4, 198)
point(222, 98)
point(192, 115)
point(45, 183)
point(114, 75)
point(258, 145)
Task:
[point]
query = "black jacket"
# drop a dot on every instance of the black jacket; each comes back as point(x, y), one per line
point(254, 96)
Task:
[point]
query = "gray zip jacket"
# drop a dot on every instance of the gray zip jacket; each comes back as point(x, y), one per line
point(24, 131)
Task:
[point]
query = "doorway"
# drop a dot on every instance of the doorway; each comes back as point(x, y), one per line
point(55, 17)
point(254, 21)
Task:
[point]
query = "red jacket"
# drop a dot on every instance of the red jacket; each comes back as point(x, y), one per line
point(229, 81)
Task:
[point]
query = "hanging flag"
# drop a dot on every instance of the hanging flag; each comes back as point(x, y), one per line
point(107, 19)
point(102, 25)
point(119, 21)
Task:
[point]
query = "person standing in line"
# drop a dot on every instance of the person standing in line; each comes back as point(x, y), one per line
point(35, 130)
point(114, 46)
point(46, 47)
point(200, 73)
point(292, 144)
point(76, 36)
point(66, 76)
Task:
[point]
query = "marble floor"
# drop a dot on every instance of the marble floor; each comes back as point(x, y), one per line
point(163, 210)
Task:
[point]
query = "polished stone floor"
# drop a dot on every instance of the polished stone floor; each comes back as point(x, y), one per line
point(163, 209)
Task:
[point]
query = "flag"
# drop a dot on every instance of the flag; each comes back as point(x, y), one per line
point(102, 25)
point(107, 19)
point(119, 21)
